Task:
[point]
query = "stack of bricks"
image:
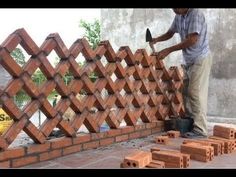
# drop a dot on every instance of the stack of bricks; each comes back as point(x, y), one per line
point(216, 145)
point(229, 144)
point(186, 157)
point(172, 159)
point(197, 151)
point(138, 159)
point(227, 135)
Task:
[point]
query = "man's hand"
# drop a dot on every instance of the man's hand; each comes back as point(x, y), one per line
point(163, 53)
point(151, 43)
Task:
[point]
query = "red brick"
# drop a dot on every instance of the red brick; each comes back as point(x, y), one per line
point(81, 139)
point(96, 136)
point(61, 49)
point(156, 164)
point(113, 132)
point(172, 160)
point(91, 145)
point(24, 161)
point(72, 149)
point(145, 133)
point(138, 159)
point(48, 125)
point(38, 148)
point(151, 125)
point(61, 142)
point(47, 109)
point(11, 109)
point(224, 132)
point(12, 153)
point(14, 87)
point(50, 155)
point(3, 143)
point(10, 64)
point(34, 133)
point(134, 135)
point(5, 164)
point(139, 127)
point(46, 67)
point(127, 129)
point(106, 141)
point(162, 139)
point(173, 134)
point(31, 66)
point(155, 149)
point(157, 130)
point(31, 108)
point(27, 43)
point(121, 138)
point(66, 128)
point(48, 45)
point(11, 42)
point(15, 129)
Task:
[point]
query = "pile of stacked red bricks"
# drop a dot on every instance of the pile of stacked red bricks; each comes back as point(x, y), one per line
point(158, 158)
point(223, 141)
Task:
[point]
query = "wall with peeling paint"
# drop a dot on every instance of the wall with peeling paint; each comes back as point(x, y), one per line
point(128, 26)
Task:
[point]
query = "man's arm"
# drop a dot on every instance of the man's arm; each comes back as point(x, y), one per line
point(190, 40)
point(169, 34)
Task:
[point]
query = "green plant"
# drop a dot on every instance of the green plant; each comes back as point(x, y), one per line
point(18, 55)
point(92, 32)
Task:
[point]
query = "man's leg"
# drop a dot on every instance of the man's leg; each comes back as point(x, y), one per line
point(198, 93)
point(185, 93)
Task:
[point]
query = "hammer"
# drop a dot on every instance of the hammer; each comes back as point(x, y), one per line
point(149, 39)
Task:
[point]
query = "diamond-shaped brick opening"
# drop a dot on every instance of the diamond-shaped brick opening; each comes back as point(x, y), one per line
point(68, 78)
point(53, 98)
point(5, 77)
point(20, 55)
point(113, 77)
point(104, 127)
point(53, 58)
point(38, 77)
point(69, 115)
point(80, 60)
point(93, 76)
point(122, 92)
point(104, 61)
point(21, 99)
point(139, 121)
point(83, 129)
point(123, 63)
point(131, 78)
point(38, 118)
point(83, 93)
point(123, 123)
point(104, 93)
point(22, 139)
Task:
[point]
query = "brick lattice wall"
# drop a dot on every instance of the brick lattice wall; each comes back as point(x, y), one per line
point(151, 93)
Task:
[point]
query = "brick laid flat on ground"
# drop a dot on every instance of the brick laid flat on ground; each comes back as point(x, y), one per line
point(110, 157)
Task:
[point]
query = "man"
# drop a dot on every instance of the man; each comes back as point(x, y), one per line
point(192, 28)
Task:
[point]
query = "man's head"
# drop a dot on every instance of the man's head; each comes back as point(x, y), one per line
point(180, 11)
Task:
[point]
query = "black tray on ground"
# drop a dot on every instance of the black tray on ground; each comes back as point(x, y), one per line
point(179, 124)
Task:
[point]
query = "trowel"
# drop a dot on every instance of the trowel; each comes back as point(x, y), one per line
point(149, 39)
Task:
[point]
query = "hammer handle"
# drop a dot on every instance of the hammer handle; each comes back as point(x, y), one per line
point(152, 47)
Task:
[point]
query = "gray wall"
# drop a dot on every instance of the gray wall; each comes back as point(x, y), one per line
point(127, 27)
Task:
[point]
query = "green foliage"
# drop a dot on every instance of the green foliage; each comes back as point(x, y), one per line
point(18, 55)
point(92, 32)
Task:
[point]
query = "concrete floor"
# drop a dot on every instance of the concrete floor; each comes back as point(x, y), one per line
point(111, 156)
